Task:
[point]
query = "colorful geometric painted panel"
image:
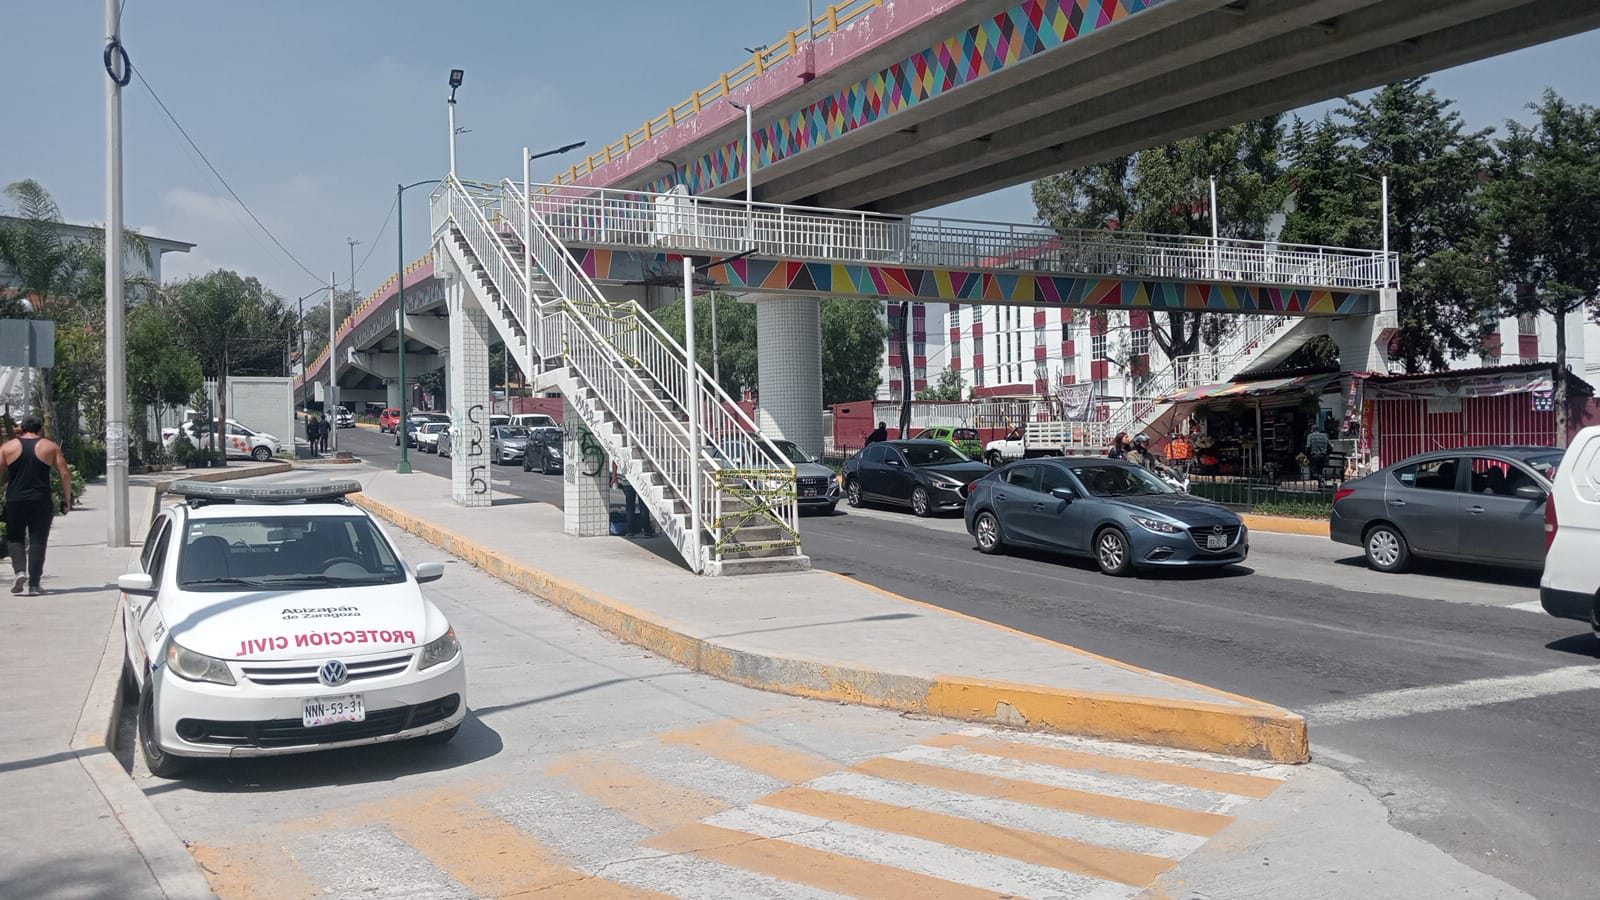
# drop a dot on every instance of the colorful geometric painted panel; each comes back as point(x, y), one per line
point(1018, 33)
point(980, 286)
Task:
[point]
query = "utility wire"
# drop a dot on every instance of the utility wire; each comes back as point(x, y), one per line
point(224, 181)
point(373, 245)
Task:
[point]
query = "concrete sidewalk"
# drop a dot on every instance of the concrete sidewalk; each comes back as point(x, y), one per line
point(818, 634)
point(78, 827)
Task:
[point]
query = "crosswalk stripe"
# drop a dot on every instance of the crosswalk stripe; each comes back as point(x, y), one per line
point(493, 858)
point(371, 862)
point(1000, 874)
point(809, 866)
point(728, 742)
point(1072, 800)
point(1094, 783)
point(1124, 866)
point(649, 801)
point(1013, 812)
point(254, 872)
point(1254, 786)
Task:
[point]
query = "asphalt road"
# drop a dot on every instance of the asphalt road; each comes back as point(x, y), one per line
point(1467, 712)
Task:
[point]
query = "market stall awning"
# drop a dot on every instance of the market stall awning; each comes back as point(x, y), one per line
point(1308, 383)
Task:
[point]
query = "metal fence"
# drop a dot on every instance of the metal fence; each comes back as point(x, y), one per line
point(1270, 492)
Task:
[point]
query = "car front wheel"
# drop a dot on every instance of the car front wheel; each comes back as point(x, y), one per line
point(1386, 548)
point(986, 528)
point(261, 454)
point(994, 459)
point(852, 491)
point(160, 763)
point(920, 504)
point(1112, 553)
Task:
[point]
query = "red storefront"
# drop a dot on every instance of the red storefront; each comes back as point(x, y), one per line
point(1408, 414)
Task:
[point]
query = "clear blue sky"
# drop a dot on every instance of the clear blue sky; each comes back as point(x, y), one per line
point(314, 110)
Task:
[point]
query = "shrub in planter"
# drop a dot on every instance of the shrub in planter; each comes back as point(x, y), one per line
point(183, 449)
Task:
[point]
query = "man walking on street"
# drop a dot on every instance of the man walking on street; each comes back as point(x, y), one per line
point(29, 505)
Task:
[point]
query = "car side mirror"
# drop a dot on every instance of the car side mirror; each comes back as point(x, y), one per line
point(429, 571)
point(1064, 493)
point(138, 584)
point(1531, 492)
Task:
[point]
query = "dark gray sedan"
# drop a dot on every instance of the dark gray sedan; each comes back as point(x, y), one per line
point(1117, 513)
point(1474, 504)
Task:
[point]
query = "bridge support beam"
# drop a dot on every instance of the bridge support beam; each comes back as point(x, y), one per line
point(585, 479)
point(392, 396)
point(1359, 337)
point(470, 334)
point(789, 367)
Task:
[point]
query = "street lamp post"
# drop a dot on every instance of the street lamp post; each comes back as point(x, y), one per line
point(527, 230)
point(329, 418)
point(117, 517)
point(456, 76)
point(404, 466)
point(352, 242)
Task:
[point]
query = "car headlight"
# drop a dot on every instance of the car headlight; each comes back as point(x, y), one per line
point(441, 649)
point(1159, 526)
point(187, 664)
point(948, 484)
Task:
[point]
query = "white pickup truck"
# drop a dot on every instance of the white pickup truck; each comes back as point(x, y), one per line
point(1029, 441)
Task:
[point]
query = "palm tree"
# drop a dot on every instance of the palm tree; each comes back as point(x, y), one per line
point(223, 319)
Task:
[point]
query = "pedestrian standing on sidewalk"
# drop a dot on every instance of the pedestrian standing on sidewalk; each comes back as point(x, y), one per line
point(29, 507)
point(311, 433)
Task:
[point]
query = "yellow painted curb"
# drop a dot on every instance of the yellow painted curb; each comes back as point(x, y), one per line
point(1253, 731)
point(1286, 525)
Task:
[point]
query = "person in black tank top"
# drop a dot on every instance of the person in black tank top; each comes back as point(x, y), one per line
point(29, 504)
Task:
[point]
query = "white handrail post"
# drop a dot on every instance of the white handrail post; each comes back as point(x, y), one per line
point(527, 248)
point(691, 392)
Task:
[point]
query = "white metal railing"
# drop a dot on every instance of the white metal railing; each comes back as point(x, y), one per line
point(679, 222)
point(618, 351)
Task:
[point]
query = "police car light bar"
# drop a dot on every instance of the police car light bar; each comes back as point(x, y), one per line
point(276, 493)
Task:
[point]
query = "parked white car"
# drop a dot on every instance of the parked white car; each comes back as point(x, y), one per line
point(1027, 442)
point(1570, 585)
point(281, 619)
point(531, 421)
point(428, 436)
point(242, 442)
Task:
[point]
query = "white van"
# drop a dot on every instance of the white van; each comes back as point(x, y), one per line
point(533, 420)
point(1571, 582)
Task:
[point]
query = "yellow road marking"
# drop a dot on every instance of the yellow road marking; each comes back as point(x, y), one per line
point(646, 800)
point(492, 857)
point(1225, 782)
point(1087, 803)
point(805, 865)
point(1122, 866)
point(254, 872)
point(725, 741)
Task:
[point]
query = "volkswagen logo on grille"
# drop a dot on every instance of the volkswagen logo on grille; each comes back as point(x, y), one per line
point(333, 673)
point(1218, 529)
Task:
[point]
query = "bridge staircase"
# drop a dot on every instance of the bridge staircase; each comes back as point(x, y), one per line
point(627, 380)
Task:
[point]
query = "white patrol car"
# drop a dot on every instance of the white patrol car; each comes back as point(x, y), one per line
point(242, 442)
point(280, 619)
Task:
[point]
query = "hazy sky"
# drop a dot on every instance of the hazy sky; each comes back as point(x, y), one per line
point(314, 110)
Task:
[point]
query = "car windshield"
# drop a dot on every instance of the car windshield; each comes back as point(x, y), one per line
point(1545, 464)
point(966, 434)
point(932, 454)
point(285, 551)
point(792, 452)
point(547, 434)
point(1119, 481)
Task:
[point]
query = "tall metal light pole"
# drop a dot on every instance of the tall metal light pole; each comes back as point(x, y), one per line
point(305, 383)
point(329, 419)
point(352, 243)
point(116, 349)
point(527, 229)
point(403, 467)
point(456, 76)
point(692, 393)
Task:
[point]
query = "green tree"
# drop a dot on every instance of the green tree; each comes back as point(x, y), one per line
point(223, 320)
point(1434, 164)
point(736, 337)
point(853, 332)
point(1166, 190)
point(161, 372)
point(948, 386)
point(1542, 215)
point(316, 322)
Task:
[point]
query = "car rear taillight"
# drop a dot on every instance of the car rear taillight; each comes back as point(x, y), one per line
point(1550, 522)
point(1342, 493)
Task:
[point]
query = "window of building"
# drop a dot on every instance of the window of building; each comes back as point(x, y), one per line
point(1528, 323)
point(1141, 341)
point(1066, 325)
point(1097, 347)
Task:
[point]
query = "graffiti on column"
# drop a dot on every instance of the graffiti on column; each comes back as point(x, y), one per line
point(588, 448)
point(478, 471)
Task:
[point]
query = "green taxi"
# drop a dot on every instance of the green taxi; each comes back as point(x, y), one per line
point(964, 439)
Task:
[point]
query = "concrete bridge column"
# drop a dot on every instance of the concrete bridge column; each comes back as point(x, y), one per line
point(1358, 336)
point(392, 395)
point(470, 333)
point(789, 367)
point(585, 479)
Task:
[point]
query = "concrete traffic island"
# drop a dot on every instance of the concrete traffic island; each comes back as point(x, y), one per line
point(826, 636)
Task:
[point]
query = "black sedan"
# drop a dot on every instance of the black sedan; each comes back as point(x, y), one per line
point(927, 476)
point(1115, 512)
point(543, 451)
point(1474, 504)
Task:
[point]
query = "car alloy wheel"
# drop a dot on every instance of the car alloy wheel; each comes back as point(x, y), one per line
point(1386, 549)
point(919, 501)
point(261, 454)
point(987, 530)
point(852, 490)
point(1111, 552)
